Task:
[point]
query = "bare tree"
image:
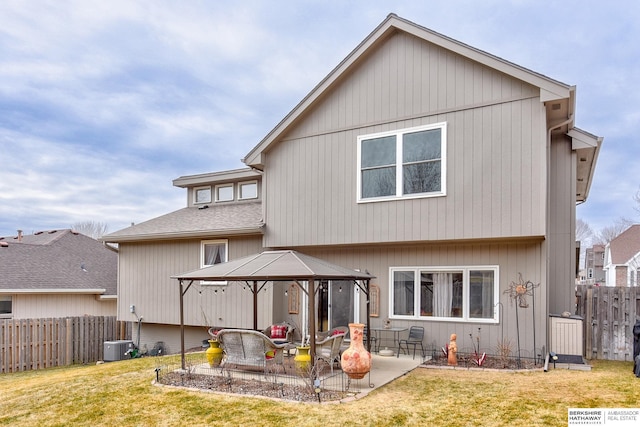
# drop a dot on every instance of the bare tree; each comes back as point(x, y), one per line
point(584, 233)
point(636, 198)
point(609, 233)
point(92, 229)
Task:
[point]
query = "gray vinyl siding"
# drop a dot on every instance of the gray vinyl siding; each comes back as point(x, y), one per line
point(144, 280)
point(562, 193)
point(34, 306)
point(511, 258)
point(496, 154)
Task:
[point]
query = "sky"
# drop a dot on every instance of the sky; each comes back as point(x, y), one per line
point(104, 103)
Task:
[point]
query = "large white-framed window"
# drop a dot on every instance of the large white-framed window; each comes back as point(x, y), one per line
point(405, 163)
point(202, 195)
point(248, 190)
point(468, 293)
point(213, 252)
point(224, 192)
point(6, 309)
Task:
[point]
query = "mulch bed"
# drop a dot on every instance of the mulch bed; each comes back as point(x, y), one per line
point(490, 362)
point(275, 390)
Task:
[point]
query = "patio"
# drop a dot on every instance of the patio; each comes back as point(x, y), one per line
point(288, 385)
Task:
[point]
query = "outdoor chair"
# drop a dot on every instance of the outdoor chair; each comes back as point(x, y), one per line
point(249, 348)
point(280, 333)
point(416, 335)
point(334, 331)
point(329, 349)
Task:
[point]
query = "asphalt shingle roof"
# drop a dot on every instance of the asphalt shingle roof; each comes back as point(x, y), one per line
point(194, 221)
point(57, 260)
point(626, 245)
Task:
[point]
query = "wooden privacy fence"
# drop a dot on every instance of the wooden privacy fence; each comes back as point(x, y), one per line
point(27, 344)
point(609, 315)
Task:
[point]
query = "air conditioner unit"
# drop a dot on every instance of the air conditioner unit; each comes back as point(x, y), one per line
point(116, 350)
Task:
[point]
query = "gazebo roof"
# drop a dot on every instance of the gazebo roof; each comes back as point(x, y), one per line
point(273, 266)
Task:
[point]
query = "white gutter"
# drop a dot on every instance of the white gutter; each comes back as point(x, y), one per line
point(53, 291)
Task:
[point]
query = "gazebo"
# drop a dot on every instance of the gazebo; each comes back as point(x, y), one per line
point(272, 266)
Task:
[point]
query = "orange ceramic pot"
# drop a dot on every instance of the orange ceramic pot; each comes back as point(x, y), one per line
point(356, 360)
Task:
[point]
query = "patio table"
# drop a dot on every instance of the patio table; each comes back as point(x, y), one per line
point(380, 331)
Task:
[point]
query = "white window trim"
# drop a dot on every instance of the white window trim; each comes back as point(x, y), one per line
point(240, 184)
point(195, 195)
point(202, 264)
point(465, 293)
point(233, 194)
point(398, 133)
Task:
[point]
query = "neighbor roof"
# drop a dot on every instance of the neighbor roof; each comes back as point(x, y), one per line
point(57, 261)
point(626, 245)
point(191, 222)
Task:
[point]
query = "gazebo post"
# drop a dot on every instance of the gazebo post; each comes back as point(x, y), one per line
point(182, 292)
point(255, 305)
point(312, 320)
point(368, 317)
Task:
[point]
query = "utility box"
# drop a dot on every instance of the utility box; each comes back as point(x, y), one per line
point(565, 335)
point(115, 350)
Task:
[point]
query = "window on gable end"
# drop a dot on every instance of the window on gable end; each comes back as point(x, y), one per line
point(406, 163)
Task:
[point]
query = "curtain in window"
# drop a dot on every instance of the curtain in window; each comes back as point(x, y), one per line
point(442, 293)
point(214, 254)
point(403, 292)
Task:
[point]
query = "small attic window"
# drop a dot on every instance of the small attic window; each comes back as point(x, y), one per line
point(224, 193)
point(202, 195)
point(248, 190)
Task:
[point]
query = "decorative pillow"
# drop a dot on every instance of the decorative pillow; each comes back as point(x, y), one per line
point(278, 332)
point(336, 332)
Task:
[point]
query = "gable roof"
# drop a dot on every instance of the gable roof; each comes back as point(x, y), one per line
point(224, 219)
point(57, 261)
point(626, 245)
point(549, 89)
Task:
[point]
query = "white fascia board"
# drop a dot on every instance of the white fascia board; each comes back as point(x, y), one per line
point(187, 235)
point(582, 139)
point(53, 291)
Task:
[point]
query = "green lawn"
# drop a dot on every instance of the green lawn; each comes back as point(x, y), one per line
point(121, 393)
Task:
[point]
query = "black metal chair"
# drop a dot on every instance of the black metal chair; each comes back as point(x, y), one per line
point(367, 337)
point(416, 335)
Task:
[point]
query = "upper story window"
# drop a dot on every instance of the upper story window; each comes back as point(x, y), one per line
point(5, 306)
point(248, 190)
point(224, 192)
point(406, 163)
point(444, 293)
point(213, 252)
point(202, 195)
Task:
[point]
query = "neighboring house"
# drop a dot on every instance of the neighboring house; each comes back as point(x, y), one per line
point(622, 258)
point(593, 266)
point(56, 273)
point(448, 173)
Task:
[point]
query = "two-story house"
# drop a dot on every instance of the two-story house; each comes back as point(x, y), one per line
point(622, 258)
point(593, 266)
point(449, 174)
